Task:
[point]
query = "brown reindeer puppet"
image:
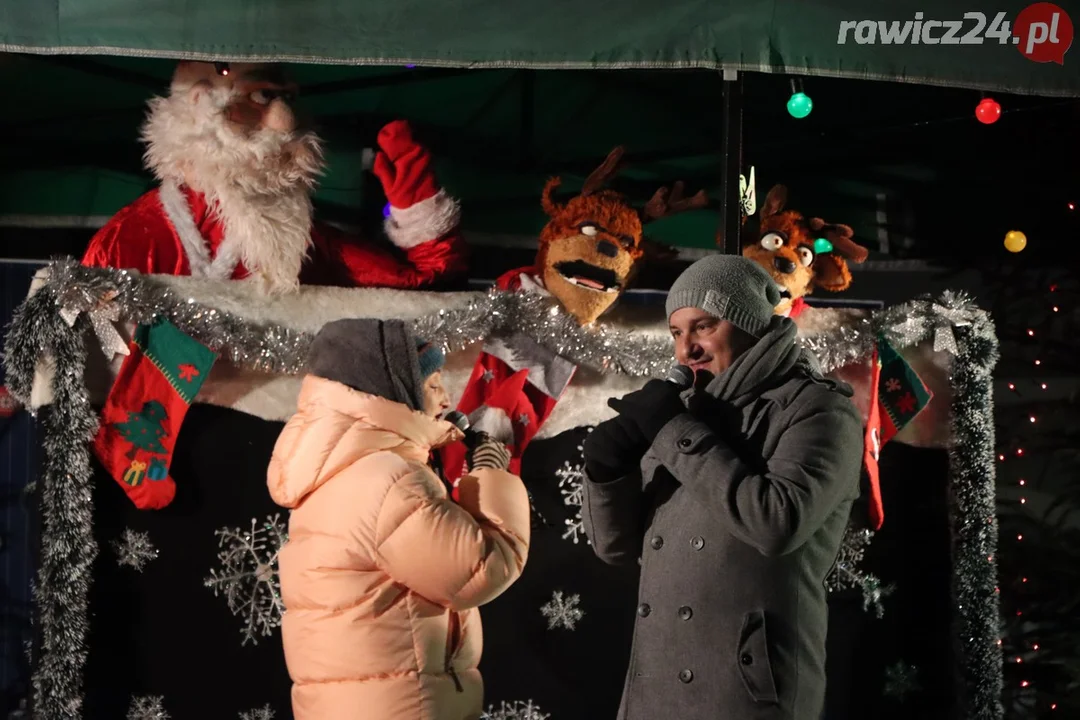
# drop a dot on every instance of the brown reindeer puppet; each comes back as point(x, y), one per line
point(592, 245)
point(801, 255)
point(590, 250)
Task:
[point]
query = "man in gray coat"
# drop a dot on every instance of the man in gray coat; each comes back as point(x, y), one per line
point(733, 495)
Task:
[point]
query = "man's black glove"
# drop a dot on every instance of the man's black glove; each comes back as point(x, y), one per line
point(650, 408)
point(613, 450)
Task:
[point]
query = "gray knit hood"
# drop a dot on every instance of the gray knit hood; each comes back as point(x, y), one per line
point(377, 357)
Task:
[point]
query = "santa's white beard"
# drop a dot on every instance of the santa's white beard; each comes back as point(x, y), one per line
point(258, 185)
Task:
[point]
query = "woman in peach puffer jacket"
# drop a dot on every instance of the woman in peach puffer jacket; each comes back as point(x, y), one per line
point(383, 571)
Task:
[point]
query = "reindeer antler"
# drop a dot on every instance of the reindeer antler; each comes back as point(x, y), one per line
point(605, 172)
point(664, 202)
point(841, 238)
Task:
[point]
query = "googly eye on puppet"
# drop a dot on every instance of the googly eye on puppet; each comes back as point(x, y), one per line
point(801, 254)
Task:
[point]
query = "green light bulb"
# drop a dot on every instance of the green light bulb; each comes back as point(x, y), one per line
point(822, 246)
point(799, 105)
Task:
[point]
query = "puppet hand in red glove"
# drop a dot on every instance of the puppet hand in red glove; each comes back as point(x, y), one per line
point(420, 210)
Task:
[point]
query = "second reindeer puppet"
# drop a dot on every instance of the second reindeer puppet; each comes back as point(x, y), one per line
point(801, 254)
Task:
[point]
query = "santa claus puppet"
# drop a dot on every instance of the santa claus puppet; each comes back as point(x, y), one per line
point(236, 174)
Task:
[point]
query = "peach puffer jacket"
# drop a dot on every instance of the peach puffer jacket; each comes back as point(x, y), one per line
point(383, 572)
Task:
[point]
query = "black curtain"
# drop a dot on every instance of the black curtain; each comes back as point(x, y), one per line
point(911, 552)
point(162, 632)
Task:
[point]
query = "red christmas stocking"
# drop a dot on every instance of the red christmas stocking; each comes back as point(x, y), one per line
point(897, 395)
point(517, 378)
point(145, 409)
point(872, 448)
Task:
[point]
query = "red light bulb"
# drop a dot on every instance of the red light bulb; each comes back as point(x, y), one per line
point(988, 111)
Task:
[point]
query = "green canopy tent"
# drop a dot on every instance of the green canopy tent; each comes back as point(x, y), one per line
point(79, 75)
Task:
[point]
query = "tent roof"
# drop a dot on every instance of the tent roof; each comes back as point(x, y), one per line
point(499, 134)
point(776, 36)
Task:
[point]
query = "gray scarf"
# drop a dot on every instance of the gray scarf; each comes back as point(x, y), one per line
point(774, 357)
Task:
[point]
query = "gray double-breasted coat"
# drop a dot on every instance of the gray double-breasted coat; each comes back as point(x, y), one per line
point(737, 519)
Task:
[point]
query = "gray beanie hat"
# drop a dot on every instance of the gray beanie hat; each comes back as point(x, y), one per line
point(729, 287)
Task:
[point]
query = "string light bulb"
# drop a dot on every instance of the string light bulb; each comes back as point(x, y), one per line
point(988, 111)
point(799, 104)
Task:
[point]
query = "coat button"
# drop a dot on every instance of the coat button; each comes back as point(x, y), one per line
point(698, 542)
point(747, 659)
point(657, 542)
point(643, 609)
point(685, 443)
point(686, 676)
point(685, 612)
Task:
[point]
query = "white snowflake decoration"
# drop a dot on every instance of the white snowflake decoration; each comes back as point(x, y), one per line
point(517, 710)
point(249, 575)
point(263, 713)
point(134, 549)
point(562, 612)
point(147, 707)
point(571, 485)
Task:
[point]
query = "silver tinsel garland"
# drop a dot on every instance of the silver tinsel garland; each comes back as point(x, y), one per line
point(846, 573)
point(66, 506)
point(77, 300)
point(977, 623)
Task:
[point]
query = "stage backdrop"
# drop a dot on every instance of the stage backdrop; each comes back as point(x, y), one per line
point(181, 607)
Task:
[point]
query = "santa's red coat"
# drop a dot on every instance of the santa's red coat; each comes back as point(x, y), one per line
point(141, 237)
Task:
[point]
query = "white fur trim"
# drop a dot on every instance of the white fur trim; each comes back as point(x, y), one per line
point(533, 284)
point(583, 403)
point(426, 220)
point(493, 421)
point(178, 211)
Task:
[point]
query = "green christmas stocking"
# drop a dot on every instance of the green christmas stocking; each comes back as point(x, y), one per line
point(145, 409)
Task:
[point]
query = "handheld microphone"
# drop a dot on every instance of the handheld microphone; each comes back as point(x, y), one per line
point(461, 421)
point(680, 375)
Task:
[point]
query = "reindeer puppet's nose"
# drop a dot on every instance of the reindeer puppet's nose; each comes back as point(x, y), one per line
point(784, 265)
point(605, 248)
